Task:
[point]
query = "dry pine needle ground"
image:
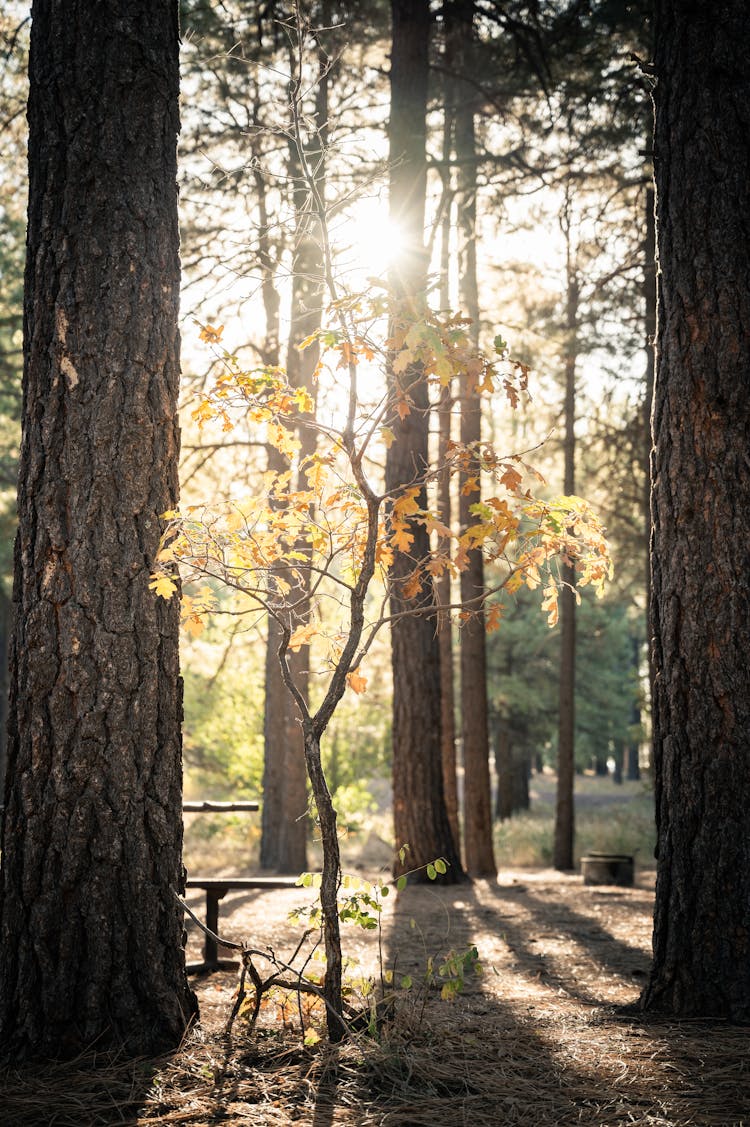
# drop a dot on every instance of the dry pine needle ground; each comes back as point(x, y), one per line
point(537, 1040)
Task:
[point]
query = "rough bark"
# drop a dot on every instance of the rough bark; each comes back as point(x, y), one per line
point(420, 816)
point(478, 852)
point(443, 585)
point(5, 627)
point(565, 803)
point(91, 931)
point(700, 506)
point(649, 302)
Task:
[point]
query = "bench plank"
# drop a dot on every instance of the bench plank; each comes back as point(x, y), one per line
point(207, 806)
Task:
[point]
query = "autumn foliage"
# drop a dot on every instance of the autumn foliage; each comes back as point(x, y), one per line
point(270, 546)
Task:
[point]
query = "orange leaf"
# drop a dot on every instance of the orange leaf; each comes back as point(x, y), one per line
point(412, 586)
point(210, 334)
point(403, 407)
point(356, 682)
point(401, 539)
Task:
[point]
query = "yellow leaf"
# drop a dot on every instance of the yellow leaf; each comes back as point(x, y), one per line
point(402, 361)
point(406, 505)
point(301, 636)
point(194, 625)
point(162, 585)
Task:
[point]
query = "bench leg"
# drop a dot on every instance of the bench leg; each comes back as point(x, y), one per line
point(210, 948)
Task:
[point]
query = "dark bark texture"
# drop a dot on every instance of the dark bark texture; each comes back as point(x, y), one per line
point(701, 512)
point(563, 847)
point(91, 931)
point(478, 852)
point(420, 816)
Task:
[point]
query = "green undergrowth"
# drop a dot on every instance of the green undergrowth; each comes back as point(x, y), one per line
point(609, 818)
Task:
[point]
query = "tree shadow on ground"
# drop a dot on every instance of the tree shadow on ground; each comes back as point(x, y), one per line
point(531, 1046)
point(534, 1041)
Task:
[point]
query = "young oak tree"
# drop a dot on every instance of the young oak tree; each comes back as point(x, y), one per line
point(354, 530)
point(91, 931)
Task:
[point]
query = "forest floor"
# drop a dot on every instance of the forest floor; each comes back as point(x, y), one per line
point(538, 1039)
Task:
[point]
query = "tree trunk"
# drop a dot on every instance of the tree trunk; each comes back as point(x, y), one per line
point(520, 775)
point(701, 510)
point(5, 627)
point(420, 816)
point(284, 833)
point(91, 929)
point(503, 770)
point(478, 851)
point(331, 878)
point(443, 585)
point(649, 302)
point(565, 803)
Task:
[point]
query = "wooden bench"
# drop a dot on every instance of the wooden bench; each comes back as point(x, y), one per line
point(216, 888)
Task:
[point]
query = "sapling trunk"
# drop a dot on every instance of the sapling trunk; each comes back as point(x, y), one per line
point(330, 880)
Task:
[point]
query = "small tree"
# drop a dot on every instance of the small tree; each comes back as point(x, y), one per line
point(335, 562)
point(353, 529)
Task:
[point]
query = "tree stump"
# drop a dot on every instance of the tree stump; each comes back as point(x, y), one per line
point(608, 868)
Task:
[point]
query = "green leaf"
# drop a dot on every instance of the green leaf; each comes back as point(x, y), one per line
point(431, 872)
point(401, 884)
point(441, 866)
point(406, 982)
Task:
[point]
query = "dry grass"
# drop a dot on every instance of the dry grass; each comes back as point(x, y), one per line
point(538, 1040)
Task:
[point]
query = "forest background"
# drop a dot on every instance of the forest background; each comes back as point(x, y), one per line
point(559, 176)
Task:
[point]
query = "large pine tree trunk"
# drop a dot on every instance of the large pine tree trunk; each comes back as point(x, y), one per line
point(443, 585)
point(701, 513)
point(478, 852)
point(420, 816)
point(91, 929)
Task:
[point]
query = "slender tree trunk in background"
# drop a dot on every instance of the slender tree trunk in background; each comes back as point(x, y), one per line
point(478, 851)
point(420, 816)
point(521, 772)
point(565, 803)
point(649, 300)
point(91, 930)
point(5, 627)
point(701, 510)
point(284, 832)
point(443, 585)
point(503, 770)
point(275, 692)
point(632, 765)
